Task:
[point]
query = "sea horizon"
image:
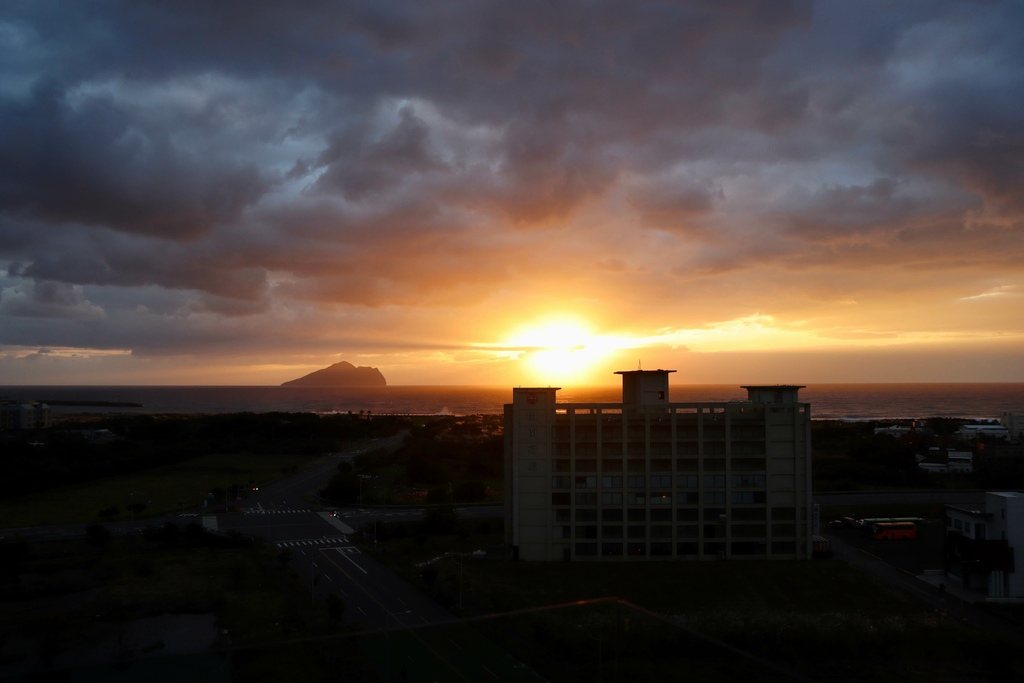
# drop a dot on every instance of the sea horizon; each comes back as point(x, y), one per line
point(846, 400)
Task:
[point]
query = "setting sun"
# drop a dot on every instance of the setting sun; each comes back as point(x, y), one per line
point(563, 351)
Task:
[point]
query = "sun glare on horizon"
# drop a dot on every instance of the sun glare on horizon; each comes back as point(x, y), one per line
point(563, 351)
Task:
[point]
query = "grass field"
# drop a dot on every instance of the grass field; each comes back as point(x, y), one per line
point(720, 621)
point(173, 488)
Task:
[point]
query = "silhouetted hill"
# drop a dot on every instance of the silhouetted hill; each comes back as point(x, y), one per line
point(342, 374)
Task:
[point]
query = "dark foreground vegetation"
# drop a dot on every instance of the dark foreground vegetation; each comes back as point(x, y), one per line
point(73, 603)
point(717, 621)
point(174, 603)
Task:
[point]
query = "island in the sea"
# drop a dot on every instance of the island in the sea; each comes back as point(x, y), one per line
point(342, 374)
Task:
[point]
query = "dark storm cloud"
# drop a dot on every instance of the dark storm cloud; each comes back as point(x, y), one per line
point(193, 162)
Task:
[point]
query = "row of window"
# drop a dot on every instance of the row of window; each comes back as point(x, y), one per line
point(639, 481)
point(661, 498)
point(639, 464)
point(758, 514)
point(682, 549)
point(641, 531)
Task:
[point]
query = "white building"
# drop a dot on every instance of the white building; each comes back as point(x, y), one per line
point(648, 479)
point(972, 432)
point(32, 415)
point(984, 548)
point(1014, 425)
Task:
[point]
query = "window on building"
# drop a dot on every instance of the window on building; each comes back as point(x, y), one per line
point(586, 549)
point(714, 548)
point(586, 465)
point(633, 498)
point(586, 482)
point(586, 498)
point(614, 498)
point(586, 531)
point(611, 531)
point(687, 497)
point(612, 482)
point(636, 481)
point(659, 531)
point(714, 481)
point(636, 515)
point(611, 465)
point(748, 497)
point(748, 548)
point(586, 515)
point(611, 549)
point(559, 482)
point(637, 549)
point(747, 481)
point(662, 481)
point(714, 498)
point(686, 548)
point(661, 549)
point(687, 531)
point(562, 515)
point(611, 515)
point(687, 481)
point(561, 465)
point(660, 498)
point(561, 498)
point(661, 515)
point(758, 530)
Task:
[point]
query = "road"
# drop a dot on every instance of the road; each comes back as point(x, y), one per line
point(418, 639)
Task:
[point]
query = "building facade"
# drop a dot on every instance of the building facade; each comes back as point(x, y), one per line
point(648, 479)
point(15, 415)
point(984, 547)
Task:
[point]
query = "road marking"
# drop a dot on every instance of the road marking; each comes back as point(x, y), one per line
point(354, 564)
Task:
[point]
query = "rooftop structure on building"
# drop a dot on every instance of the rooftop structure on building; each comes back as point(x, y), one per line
point(649, 479)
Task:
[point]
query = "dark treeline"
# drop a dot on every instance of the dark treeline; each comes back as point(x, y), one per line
point(446, 460)
point(849, 456)
point(120, 444)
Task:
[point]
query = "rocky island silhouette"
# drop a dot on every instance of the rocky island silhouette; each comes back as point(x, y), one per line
point(342, 374)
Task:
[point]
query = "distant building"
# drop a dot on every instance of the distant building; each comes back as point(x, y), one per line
point(17, 415)
point(983, 547)
point(1014, 425)
point(942, 462)
point(647, 479)
point(972, 432)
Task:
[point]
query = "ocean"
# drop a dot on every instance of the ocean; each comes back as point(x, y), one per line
point(828, 401)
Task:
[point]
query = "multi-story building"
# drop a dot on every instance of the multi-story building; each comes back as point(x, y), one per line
point(15, 415)
point(984, 548)
point(648, 479)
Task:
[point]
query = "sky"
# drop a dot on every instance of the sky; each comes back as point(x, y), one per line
point(511, 193)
